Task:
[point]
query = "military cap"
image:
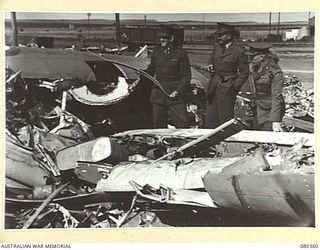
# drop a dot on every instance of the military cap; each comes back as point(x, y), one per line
point(225, 28)
point(259, 47)
point(166, 31)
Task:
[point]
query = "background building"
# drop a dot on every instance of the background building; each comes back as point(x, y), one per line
point(98, 31)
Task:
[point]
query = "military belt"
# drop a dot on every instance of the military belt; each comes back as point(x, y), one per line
point(262, 95)
point(226, 78)
point(168, 81)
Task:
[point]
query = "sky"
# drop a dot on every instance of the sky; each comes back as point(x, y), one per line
point(219, 17)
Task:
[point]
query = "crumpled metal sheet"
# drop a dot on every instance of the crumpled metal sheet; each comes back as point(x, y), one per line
point(184, 173)
point(295, 157)
point(299, 100)
point(176, 197)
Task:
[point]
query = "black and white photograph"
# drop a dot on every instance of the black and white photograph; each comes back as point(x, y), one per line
point(159, 119)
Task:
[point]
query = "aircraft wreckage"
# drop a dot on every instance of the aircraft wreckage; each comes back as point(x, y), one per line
point(80, 152)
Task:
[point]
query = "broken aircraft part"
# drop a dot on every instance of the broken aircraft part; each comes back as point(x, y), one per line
point(289, 194)
point(42, 123)
point(100, 149)
point(105, 94)
point(23, 168)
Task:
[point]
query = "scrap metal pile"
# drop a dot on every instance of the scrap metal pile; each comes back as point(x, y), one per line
point(60, 175)
point(299, 112)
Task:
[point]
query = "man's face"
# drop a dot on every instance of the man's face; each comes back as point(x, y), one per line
point(165, 40)
point(258, 60)
point(224, 38)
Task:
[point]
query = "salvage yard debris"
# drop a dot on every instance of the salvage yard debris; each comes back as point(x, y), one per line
point(299, 112)
point(60, 174)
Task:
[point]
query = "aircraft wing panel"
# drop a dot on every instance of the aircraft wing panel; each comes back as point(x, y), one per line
point(37, 63)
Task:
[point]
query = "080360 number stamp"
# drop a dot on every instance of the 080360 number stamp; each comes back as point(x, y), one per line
point(311, 246)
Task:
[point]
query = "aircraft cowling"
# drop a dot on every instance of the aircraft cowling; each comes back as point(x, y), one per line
point(94, 71)
point(107, 111)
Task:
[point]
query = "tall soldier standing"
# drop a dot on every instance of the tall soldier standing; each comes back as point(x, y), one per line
point(171, 67)
point(229, 63)
point(268, 82)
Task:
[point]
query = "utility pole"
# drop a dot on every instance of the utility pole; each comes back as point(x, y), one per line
point(278, 30)
point(269, 24)
point(89, 26)
point(118, 28)
point(204, 31)
point(14, 37)
point(145, 19)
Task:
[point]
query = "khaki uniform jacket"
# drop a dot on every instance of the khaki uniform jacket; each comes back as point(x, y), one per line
point(231, 69)
point(269, 85)
point(172, 71)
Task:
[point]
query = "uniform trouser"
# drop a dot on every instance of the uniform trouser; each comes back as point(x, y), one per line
point(220, 108)
point(178, 112)
point(266, 126)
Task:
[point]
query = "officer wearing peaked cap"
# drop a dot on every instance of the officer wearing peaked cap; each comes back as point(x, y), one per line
point(171, 67)
point(268, 82)
point(229, 66)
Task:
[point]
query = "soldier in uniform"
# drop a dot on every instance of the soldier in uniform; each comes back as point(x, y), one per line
point(229, 66)
point(171, 67)
point(268, 81)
